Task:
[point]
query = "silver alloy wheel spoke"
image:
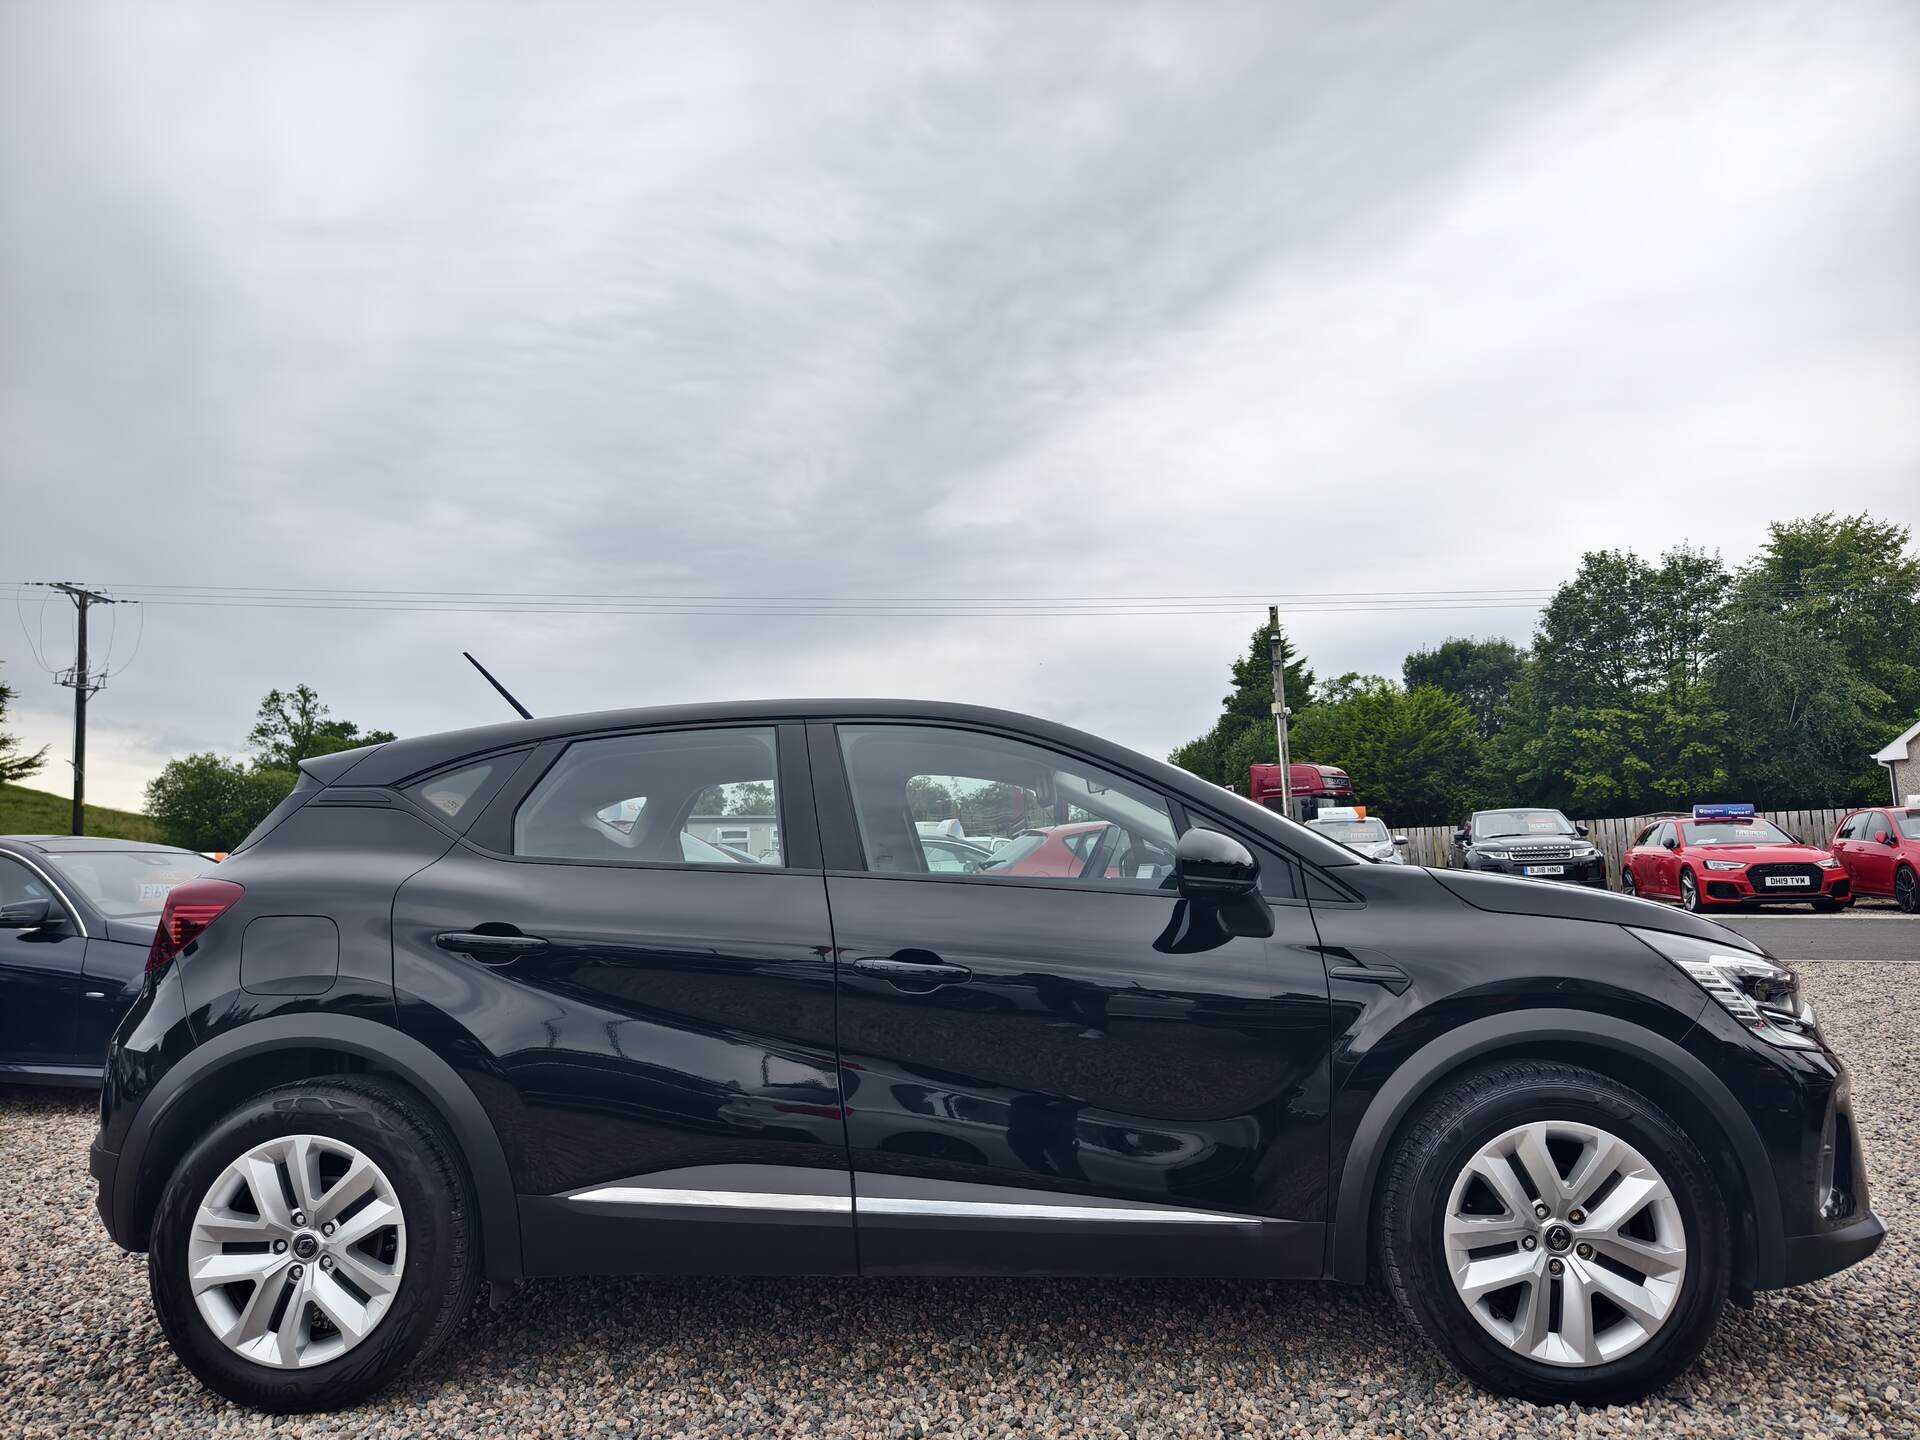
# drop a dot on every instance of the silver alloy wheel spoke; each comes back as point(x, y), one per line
point(291, 1268)
point(1610, 1218)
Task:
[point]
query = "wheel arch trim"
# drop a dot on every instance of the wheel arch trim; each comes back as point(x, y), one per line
point(387, 1051)
point(1349, 1237)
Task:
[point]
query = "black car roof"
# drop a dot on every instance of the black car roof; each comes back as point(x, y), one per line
point(399, 760)
point(82, 844)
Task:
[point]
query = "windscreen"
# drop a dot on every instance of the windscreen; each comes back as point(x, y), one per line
point(1507, 823)
point(1352, 832)
point(129, 884)
point(1746, 832)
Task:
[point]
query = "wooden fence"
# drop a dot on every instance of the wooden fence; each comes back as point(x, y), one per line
point(1432, 844)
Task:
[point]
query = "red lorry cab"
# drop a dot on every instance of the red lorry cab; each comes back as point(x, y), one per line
point(1313, 787)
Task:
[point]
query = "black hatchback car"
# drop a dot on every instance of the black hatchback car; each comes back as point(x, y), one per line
point(464, 1008)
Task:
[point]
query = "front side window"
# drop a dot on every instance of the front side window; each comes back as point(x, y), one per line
point(1878, 830)
point(1072, 822)
point(1645, 837)
point(662, 798)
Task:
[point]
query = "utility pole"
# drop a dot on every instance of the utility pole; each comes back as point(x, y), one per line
point(1280, 711)
point(83, 683)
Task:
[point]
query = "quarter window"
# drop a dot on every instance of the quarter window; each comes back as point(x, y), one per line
point(670, 799)
point(1068, 822)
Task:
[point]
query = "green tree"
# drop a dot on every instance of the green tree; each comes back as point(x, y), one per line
point(1817, 659)
point(295, 725)
point(1413, 754)
point(1245, 712)
point(751, 797)
point(205, 802)
point(14, 765)
point(1481, 673)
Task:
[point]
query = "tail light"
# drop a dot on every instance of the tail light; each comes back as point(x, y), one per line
point(189, 910)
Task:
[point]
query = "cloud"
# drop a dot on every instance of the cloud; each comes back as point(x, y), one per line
point(956, 300)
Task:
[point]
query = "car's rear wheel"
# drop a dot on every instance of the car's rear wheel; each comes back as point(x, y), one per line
point(1555, 1233)
point(317, 1242)
point(1906, 890)
point(1628, 884)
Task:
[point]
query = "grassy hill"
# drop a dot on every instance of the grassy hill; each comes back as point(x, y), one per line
point(35, 812)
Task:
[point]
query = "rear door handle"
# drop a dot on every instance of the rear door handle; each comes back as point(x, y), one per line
point(492, 949)
point(913, 970)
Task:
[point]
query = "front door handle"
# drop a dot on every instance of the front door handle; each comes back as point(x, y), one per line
point(1391, 976)
point(491, 949)
point(919, 970)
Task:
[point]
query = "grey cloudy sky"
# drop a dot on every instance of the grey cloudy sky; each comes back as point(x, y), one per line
point(909, 301)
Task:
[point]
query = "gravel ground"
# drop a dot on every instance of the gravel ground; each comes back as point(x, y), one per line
point(81, 1355)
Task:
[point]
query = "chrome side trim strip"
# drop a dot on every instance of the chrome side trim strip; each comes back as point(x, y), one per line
point(73, 911)
point(1002, 1210)
point(714, 1199)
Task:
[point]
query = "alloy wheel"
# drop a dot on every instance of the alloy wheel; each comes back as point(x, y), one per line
point(1689, 893)
point(1628, 883)
point(297, 1251)
point(1565, 1243)
point(1906, 891)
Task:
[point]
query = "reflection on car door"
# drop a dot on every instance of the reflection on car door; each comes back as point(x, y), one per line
point(1066, 1075)
point(41, 980)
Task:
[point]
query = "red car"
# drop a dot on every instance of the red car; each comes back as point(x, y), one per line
point(1880, 851)
point(1726, 855)
point(1062, 850)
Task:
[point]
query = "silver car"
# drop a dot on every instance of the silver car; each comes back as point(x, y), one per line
point(1363, 833)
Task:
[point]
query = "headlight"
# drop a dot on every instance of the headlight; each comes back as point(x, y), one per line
point(1494, 854)
point(1761, 995)
point(1827, 862)
point(1584, 852)
point(1726, 864)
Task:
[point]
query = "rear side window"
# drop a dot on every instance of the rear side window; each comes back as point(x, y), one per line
point(452, 791)
point(685, 797)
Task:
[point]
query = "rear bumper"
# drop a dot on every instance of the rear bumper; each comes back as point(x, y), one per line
point(1813, 1257)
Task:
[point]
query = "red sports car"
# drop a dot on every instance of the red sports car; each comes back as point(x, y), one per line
point(1708, 863)
point(1880, 851)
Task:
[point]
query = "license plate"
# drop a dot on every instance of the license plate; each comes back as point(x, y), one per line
point(1543, 870)
point(1787, 880)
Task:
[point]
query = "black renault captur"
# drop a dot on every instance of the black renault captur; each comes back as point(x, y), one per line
point(495, 1004)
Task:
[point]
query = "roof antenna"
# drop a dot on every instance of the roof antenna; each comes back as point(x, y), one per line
point(525, 714)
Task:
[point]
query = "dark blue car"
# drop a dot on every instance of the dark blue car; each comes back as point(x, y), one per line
point(77, 915)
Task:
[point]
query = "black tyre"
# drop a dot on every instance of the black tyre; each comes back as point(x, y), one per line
point(1906, 890)
point(1689, 892)
point(1628, 884)
point(316, 1243)
point(1602, 1298)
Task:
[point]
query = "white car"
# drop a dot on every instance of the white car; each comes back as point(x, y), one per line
point(1352, 827)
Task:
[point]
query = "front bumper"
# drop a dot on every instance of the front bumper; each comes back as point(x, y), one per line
point(1591, 870)
point(1814, 1257)
point(1736, 887)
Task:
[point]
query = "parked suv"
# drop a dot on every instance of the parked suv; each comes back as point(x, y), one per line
point(441, 1019)
point(1537, 844)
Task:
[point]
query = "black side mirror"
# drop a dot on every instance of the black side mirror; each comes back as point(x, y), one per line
point(1460, 836)
point(1888, 839)
point(1671, 844)
point(25, 914)
point(1581, 831)
point(1214, 868)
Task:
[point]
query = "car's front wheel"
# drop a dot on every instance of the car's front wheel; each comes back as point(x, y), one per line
point(315, 1243)
point(1689, 892)
point(1555, 1233)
